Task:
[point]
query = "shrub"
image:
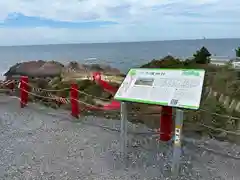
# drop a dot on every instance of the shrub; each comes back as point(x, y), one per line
point(237, 51)
point(202, 56)
point(166, 62)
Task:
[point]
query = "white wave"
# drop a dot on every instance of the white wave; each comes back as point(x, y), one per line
point(91, 58)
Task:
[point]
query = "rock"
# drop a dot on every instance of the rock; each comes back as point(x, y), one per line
point(75, 70)
point(73, 65)
point(41, 83)
point(35, 69)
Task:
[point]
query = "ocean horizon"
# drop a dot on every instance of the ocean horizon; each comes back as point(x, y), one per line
point(121, 55)
point(116, 42)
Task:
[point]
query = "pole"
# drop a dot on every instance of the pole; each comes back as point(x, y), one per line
point(74, 100)
point(97, 77)
point(166, 124)
point(177, 151)
point(23, 91)
point(124, 128)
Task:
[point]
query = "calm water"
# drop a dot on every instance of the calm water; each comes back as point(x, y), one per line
point(120, 55)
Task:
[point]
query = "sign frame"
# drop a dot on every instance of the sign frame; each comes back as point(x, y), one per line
point(139, 100)
point(177, 145)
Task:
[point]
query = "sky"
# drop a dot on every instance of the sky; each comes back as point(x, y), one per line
point(26, 22)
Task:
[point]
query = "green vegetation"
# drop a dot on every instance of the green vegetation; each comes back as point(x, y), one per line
point(202, 56)
point(222, 79)
point(237, 52)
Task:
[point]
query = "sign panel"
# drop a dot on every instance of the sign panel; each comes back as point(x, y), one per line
point(169, 87)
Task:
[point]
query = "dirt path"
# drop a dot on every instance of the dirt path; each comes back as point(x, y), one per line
point(37, 145)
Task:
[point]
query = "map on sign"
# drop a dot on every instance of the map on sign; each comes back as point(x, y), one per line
point(169, 87)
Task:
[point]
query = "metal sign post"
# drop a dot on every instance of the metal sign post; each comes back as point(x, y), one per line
point(177, 150)
point(124, 128)
point(175, 88)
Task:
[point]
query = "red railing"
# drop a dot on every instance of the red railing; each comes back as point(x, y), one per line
point(166, 117)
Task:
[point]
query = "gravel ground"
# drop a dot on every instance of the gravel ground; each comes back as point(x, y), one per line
point(38, 143)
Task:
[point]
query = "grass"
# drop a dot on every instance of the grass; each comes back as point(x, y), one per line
point(222, 79)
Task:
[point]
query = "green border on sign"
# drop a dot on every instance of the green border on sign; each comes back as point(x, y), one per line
point(132, 71)
point(166, 69)
point(156, 103)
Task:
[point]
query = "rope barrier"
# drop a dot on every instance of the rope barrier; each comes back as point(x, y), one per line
point(220, 115)
point(67, 100)
point(89, 95)
point(219, 129)
point(201, 124)
point(73, 99)
point(143, 141)
point(91, 107)
point(152, 133)
point(81, 92)
point(47, 90)
point(64, 100)
point(7, 82)
point(65, 89)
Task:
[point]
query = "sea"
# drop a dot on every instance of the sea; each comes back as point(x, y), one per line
point(121, 55)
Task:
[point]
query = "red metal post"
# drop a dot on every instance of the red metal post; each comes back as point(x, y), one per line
point(23, 91)
point(97, 77)
point(74, 102)
point(166, 123)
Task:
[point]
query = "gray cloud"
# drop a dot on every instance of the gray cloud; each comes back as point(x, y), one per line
point(138, 19)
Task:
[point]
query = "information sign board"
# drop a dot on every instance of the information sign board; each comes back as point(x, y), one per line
point(169, 87)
